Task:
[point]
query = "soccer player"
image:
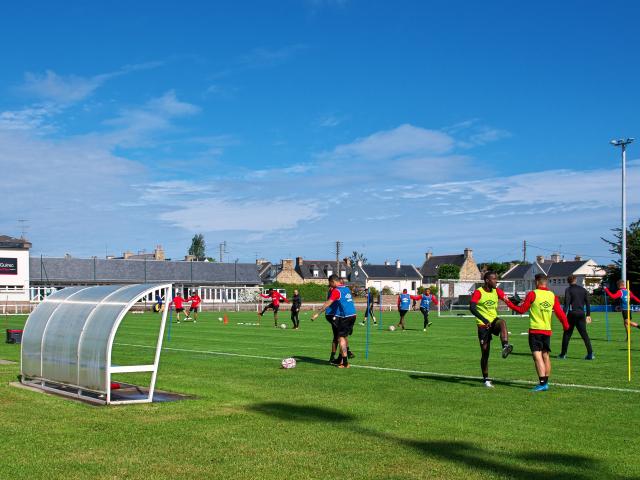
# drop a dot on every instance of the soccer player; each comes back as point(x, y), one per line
point(404, 304)
point(178, 302)
point(484, 306)
point(195, 304)
point(578, 311)
point(295, 309)
point(369, 312)
point(274, 305)
point(340, 305)
point(426, 299)
point(159, 303)
point(625, 297)
point(541, 304)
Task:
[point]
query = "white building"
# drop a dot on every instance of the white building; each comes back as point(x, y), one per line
point(14, 269)
point(397, 277)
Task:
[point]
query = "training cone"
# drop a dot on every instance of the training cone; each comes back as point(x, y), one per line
point(226, 319)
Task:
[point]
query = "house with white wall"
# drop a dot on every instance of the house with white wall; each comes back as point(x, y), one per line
point(395, 276)
point(14, 269)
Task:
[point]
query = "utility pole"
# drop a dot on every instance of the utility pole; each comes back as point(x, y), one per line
point(524, 251)
point(338, 247)
point(622, 143)
point(223, 250)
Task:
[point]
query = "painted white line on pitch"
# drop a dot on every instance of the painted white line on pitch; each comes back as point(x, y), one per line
point(399, 370)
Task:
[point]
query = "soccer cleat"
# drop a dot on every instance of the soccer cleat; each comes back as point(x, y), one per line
point(488, 384)
point(506, 350)
point(541, 388)
point(334, 361)
point(591, 356)
point(342, 365)
point(429, 324)
point(562, 356)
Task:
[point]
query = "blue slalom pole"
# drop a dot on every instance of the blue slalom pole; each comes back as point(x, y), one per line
point(368, 320)
point(606, 316)
point(380, 322)
point(170, 322)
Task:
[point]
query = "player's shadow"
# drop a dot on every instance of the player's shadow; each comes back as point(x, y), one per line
point(300, 413)
point(311, 360)
point(466, 381)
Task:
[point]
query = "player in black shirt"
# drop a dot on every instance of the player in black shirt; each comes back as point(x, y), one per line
point(296, 303)
point(578, 310)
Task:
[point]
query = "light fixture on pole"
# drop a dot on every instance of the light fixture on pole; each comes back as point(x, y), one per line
point(622, 143)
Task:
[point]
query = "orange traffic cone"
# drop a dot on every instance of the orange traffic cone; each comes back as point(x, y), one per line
point(226, 319)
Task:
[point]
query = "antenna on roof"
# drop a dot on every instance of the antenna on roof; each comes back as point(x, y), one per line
point(23, 227)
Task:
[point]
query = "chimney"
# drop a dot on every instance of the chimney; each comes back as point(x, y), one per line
point(386, 263)
point(578, 258)
point(159, 253)
point(299, 261)
point(347, 261)
point(468, 253)
point(556, 258)
point(67, 256)
point(428, 255)
point(287, 264)
point(126, 255)
point(397, 263)
point(540, 259)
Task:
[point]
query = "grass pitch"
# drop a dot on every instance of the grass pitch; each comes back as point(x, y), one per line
point(415, 414)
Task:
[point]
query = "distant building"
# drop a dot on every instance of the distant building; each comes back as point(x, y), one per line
point(395, 276)
point(588, 273)
point(468, 268)
point(14, 269)
point(157, 254)
point(316, 271)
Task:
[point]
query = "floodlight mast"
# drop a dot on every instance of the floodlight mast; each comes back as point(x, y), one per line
point(622, 143)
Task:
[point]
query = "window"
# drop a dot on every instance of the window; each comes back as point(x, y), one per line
point(343, 273)
point(413, 285)
point(329, 272)
point(315, 273)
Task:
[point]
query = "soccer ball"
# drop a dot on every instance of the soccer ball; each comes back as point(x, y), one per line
point(289, 363)
point(219, 319)
point(283, 326)
point(392, 328)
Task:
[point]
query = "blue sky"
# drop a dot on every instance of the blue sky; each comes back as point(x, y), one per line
point(280, 127)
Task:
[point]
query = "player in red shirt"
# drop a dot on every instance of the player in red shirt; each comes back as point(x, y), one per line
point(274, 305)
point(195, 304)
point(178, 302)
point(625, 296)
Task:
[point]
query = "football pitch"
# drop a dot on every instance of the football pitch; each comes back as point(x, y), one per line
point(415, 409)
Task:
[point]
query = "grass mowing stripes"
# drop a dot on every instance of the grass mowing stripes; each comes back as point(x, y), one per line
point(254, 420)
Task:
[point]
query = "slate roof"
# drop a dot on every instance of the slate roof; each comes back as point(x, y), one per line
point(517, 272)
point(306, 269)
point(564, 269)
point(88, 270)
point(430, 267)
point(10, 242)
point(391, 271)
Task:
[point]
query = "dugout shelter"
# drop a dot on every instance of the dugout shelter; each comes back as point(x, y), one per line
point(68, 340)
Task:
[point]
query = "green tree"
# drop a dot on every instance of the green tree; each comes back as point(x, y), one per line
point(499, 267)
point(358, 257)
point(198, 247)
point(448, 271)
point(633, 256)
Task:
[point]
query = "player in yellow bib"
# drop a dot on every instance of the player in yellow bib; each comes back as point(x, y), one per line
point(484, 306)
point(541, 304)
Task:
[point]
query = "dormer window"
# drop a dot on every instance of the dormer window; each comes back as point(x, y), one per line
point(315, 272)
point(329, 272)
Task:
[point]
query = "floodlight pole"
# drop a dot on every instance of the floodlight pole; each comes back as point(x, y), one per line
point(622, 143)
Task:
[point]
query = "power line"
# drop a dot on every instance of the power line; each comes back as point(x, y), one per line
point(566, 253)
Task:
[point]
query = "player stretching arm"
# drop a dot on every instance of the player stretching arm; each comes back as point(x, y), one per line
point(275, 297)
point(426, 299)
point(625, 297)
point(484, 306)
point(540, 304)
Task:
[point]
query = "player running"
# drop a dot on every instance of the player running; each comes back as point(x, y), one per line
point(484, 306)
point(541, 303)
point(625, 297)
point(340, 305)
point(274, 305)
point(404, 305)
point(426, 299)
point(178, 302)
point(195, 304)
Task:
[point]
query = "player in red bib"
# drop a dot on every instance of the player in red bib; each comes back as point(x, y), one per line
point(178, 302)
point(195, 304)
point(274, 305)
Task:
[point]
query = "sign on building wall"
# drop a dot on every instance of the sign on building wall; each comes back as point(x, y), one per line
point(8, 266)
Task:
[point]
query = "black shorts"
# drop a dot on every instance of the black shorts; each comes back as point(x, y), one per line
point(179, 310)
point(539, 342)
point(332, 321)
point(425, 311)
point(344, 325)
point(485, 333)
point(626, 315)
point(273, 307)
point(403, 313)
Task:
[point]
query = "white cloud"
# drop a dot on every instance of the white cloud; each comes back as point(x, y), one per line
point(329, 121)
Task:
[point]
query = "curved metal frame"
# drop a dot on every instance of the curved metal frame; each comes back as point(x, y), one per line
point(89, 392)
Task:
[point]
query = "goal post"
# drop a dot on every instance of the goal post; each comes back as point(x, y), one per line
point(455, 296)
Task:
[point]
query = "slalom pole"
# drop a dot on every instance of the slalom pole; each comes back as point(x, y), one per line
point(606, 316)
point(368, 320)
point(380, 322)
point(628, 331)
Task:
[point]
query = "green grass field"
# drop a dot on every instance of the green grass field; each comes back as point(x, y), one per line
point(417, 416)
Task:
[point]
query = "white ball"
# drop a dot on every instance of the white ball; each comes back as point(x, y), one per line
point(283, 325)
point(392, 328)
point(289, 363)
point(220, 319)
